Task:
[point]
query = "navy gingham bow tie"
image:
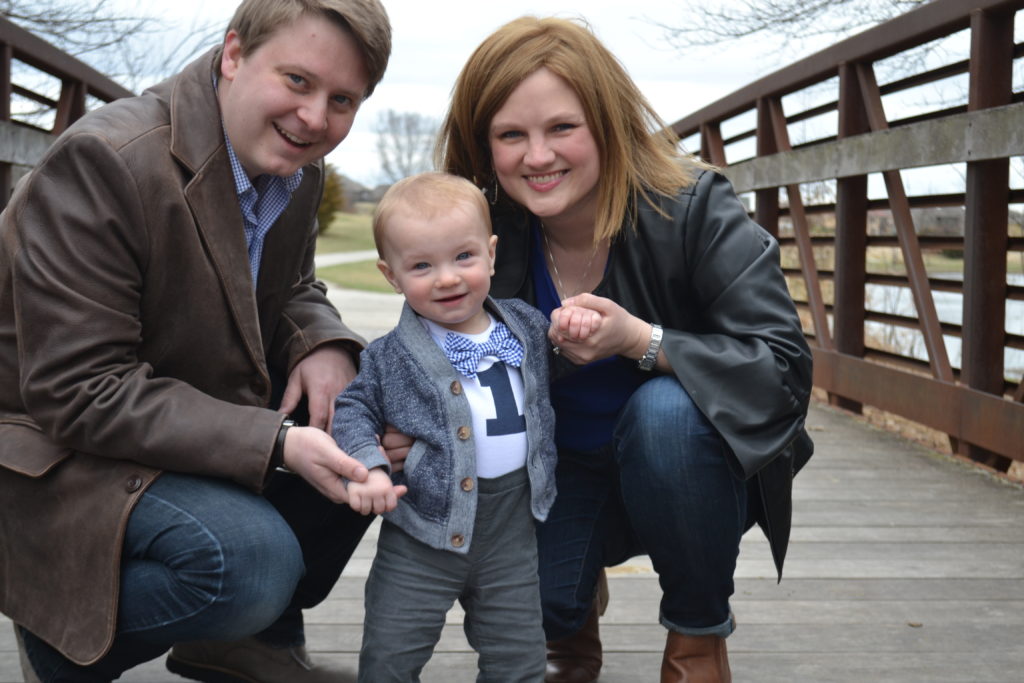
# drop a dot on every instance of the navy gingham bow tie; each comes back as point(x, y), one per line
point(465, 354)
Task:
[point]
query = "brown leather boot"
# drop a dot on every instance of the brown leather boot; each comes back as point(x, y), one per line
point(695, 659)
point(577, 659)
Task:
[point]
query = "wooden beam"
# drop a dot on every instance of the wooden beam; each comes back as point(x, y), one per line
point(990, 421)
point(913, 261)
point(802, 235)
point(994, 133)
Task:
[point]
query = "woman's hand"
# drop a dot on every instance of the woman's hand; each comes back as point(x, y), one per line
point(615, 331)
point(396, 447)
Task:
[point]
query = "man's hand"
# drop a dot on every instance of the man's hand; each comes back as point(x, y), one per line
point(320, 377)
point(376, 495)
point(313, 455)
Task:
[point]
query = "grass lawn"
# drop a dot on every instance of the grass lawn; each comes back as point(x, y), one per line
point(348, 232)
point(363, 276)
point(351, 232)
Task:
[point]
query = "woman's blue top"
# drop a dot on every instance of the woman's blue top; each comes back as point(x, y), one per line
point(587, 401)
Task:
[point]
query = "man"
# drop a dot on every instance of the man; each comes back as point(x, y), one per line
point(157, 304)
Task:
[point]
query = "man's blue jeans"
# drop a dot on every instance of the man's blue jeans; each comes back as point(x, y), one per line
point(663, 488)
point(207, 559)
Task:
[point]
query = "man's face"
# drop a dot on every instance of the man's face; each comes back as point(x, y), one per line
point(294, 98)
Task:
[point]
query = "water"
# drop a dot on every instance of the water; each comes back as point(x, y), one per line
point(949, 308)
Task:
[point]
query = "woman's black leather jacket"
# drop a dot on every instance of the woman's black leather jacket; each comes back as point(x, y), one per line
point(711, 277)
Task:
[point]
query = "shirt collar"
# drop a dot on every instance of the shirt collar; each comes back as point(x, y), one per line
point(242, 182)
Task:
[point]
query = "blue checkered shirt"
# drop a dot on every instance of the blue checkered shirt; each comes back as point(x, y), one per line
point(261, 205)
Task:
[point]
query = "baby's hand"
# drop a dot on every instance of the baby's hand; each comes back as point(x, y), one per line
point(573, 323)
point(376, 495)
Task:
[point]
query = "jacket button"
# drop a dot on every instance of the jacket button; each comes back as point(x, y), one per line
point(464, 433)
point(467, 484)
point(458, 540)
point(456, 387)
point(133, 484)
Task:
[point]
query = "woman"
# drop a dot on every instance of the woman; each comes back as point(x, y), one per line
point(684, 424)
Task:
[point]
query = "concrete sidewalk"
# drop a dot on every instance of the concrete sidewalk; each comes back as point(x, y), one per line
point(371, 314)
point(324, 260)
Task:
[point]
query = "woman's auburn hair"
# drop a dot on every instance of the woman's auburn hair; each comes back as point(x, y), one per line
point(637, 150)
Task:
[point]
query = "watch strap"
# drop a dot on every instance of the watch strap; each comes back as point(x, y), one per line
point(650, 356)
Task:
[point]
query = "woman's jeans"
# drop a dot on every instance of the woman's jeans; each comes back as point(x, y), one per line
point(663, 488)
point(207, 559)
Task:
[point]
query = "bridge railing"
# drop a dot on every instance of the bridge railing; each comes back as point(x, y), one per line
point(867, 261)
point(23, 139)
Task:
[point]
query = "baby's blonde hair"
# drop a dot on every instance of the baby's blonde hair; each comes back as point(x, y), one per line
point(429, 194)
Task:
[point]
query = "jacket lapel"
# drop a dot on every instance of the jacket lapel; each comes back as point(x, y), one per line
point(197, 141)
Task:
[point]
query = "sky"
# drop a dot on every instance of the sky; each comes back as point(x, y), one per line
point(432, 41)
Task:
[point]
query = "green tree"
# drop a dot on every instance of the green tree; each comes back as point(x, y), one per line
point(334, 199)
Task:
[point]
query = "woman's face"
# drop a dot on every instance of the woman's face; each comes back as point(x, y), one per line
point(545, 156)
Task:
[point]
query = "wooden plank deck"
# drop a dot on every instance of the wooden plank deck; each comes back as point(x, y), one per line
point(905, 566)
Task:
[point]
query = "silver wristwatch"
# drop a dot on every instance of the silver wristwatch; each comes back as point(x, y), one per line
point(651, 355)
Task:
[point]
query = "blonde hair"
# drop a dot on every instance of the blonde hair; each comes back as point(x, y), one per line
point(366, 21)
point(431, 194)
point(637, 150)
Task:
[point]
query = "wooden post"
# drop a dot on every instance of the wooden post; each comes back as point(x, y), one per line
point(851, 235)
point(986, 217)
point(766, 202)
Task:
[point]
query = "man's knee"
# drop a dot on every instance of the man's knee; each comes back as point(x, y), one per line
point(214, 552)
point(260, 578)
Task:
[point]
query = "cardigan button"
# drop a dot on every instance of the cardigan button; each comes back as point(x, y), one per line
point(467, 484)
point(458, 540)
point(456, 387)
point(133, 484)
point(464, 433)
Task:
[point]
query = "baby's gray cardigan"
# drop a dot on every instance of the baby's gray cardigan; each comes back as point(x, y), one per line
point(405, 380)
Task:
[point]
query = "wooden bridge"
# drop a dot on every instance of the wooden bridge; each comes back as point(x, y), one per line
point(906, 564)
point(930, 93)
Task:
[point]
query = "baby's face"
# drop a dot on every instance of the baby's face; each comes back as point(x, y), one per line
point(442, 264)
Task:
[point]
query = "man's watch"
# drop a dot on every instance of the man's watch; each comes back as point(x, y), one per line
point(651, 355)
point(277, 455)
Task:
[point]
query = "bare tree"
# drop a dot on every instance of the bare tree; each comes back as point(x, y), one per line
point(405, 143)
point(134, 50)
point(714, 23)
point(75, 27)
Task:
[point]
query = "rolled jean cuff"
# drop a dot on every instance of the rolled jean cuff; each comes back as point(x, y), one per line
point(723, 630)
